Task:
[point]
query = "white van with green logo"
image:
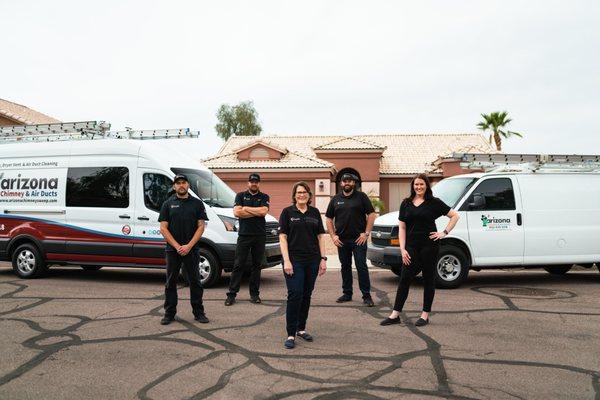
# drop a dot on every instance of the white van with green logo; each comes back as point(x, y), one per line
point(508, 219)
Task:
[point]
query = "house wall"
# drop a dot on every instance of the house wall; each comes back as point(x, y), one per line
point(278, 185)
point(273, 154)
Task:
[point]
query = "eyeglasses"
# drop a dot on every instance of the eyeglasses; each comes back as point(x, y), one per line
point(301, 192)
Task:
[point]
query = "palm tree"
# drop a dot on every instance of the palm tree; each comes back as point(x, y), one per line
point(495, 122)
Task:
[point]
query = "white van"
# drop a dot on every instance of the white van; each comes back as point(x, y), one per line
point(507, 219)
point(95, 203)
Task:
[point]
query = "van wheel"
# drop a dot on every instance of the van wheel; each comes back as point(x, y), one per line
point(91, 267)
point(452, 267)
point(209, 268)
point(27, 262)
point(558, 269)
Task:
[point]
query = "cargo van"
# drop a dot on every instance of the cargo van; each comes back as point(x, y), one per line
point(94, 203)
point(527, 218)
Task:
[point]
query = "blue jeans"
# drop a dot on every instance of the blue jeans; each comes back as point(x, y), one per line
point(300, 286)
point(360, 260)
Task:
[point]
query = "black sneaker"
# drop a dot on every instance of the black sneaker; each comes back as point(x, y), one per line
point(344, 298)
point(201, 318)
point(289, 343)
point(368, 301)
point(229, 301)
point(167, 319)
point(390, 321)
point(255, 300)
point(422, 322)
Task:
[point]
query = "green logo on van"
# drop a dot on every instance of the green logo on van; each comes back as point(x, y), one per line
point(485, 221)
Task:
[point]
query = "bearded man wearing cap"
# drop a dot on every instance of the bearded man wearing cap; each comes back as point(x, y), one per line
point(251, 207)
point(182, 225)
point(350, 217)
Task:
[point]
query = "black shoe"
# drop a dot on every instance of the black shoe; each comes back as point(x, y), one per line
point(255, 300)
point(229, 301)
point(289, 343)
point(390, 321)
point(201, 318)
point(306, 336)
point(344, 298)
point(166, 320)
point(368, 301)
point(422, 322)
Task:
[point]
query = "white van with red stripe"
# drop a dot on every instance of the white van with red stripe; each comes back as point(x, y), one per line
point(95, 203)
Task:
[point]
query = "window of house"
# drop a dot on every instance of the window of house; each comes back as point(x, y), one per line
point(259, 152)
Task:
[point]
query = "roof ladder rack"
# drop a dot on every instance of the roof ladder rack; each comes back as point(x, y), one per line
point(529, 162)
point(86, 130)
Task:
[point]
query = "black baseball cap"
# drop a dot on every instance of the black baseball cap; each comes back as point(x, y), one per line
point(349, 177)
point(254, 177)
point(180, 176)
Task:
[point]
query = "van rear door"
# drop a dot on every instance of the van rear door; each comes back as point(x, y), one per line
point(494, 218)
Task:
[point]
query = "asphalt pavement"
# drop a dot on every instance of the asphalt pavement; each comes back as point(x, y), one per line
point(503, 335)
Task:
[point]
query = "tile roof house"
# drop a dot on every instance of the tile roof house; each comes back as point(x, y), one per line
point(16, 114)
point(385, 164)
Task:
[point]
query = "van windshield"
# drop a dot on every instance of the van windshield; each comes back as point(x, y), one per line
point(209, 187)
point(450, 191)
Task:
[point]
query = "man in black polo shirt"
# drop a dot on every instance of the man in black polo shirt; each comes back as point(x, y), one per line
point(182, 225)
point(251, 207)
point(354, 216)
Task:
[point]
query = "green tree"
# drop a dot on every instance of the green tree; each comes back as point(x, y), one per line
point(496, 122)
point(241, 120)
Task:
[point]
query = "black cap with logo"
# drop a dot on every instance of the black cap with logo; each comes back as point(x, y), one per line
point(349, 177)
point(254, 177)
point(179, 177)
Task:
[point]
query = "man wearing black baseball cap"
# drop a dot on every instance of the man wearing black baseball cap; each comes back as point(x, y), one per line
point(350, 217)
point(182, 225)
point(251, 207)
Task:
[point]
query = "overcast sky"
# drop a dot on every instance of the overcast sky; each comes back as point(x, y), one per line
point(312, 67)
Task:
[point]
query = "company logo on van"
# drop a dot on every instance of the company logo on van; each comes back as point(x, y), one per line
point(495, 223)
point(27, 183)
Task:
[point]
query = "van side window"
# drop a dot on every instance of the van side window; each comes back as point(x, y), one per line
point(157, 188)
point(106, 187)
point(498, 195)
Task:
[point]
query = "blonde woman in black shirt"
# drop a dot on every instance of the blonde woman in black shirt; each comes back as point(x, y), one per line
point(419, 244)
point(303, 249)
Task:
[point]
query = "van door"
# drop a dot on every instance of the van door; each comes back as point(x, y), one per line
point(99, 213)
point(154, 187)
point(493, 212)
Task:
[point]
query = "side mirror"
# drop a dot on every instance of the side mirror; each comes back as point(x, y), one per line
point(478, 202)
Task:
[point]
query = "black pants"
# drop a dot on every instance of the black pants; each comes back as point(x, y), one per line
point(423, 258)
point(300, 286)
point(349, 248)
point(190, 266)
point(255, 245)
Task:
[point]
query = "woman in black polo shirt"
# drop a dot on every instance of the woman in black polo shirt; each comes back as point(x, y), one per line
point(419, 244)
point(302, 247)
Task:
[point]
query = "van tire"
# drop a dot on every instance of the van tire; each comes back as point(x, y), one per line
point(210, 268)
point(27, 261)
point(452, 267)
point(91, 268)
point(558, 269)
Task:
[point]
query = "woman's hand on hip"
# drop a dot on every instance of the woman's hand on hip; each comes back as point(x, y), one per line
point(288, 269)
point(322, 267)
point(405, 257)
point(436, 235)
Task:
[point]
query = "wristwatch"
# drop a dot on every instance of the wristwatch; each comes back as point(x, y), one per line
point(367, 233)
point(446, 232)
point(324, 258)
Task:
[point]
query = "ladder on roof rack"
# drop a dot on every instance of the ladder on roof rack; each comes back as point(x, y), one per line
point(86, 130)
point(529, 162)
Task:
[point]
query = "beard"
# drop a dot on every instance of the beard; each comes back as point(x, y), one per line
point(347, 189)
